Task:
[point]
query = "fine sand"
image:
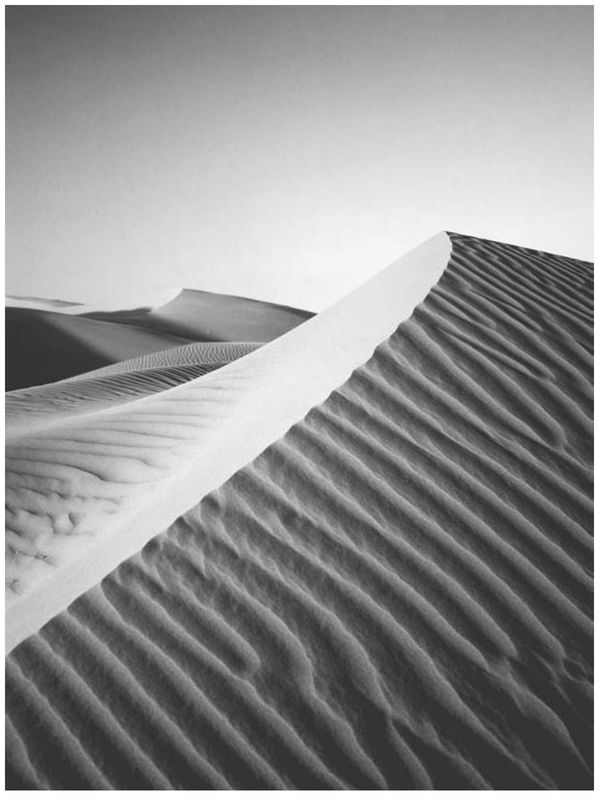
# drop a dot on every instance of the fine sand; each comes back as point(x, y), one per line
point(116, 384)
point(87, 489)
point(47, 340)
point(148, 302)
point(396, 593)
point(205, 316)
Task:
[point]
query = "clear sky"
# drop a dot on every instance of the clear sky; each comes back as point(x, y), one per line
point(286, 153)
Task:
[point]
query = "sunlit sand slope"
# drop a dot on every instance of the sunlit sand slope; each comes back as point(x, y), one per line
point(118, 383)
point(95, 468)
point(396, 594)
point(214, 354)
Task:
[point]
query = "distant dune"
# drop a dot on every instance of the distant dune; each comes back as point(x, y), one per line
point(375, 565)
point(203, 316)
point(47, 340)
point(118, 383)
point(213, 355)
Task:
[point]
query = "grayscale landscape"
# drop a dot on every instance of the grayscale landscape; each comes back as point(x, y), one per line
point(261, 543)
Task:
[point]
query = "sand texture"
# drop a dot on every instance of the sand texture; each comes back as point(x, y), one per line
point(46, 346)
point(205, 316)
point(213, 355)
point(397, 593)
point(48, 341)
point(96, 467)
point(119, 382)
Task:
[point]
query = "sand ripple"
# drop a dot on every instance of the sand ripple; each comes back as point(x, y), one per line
point(119, 383)
point(396, 594)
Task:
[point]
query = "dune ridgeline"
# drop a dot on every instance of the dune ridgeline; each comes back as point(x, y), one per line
point(252, 548)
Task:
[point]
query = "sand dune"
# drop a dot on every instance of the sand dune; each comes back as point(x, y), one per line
point(44, 346)
point(48, 341)
point(148, 302)
point(85, 490)
point(204, 316)
point(214, 354)
point(40, 303)
point(117, 384)
point(396, 593)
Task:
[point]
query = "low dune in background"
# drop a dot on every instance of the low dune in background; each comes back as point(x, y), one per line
point(48, 340)
point(212, 355)
point(396, 593)
point(37, 303)
point(204, 316)
point(118, 383)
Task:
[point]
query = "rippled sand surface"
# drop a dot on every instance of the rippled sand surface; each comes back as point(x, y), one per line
point(395, 594)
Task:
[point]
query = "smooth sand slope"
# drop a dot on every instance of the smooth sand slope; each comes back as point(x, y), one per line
point(396, 593)
point(148, 303)
point(48, 340)
point(214, 354)
point(205, 316)
point(43, 405)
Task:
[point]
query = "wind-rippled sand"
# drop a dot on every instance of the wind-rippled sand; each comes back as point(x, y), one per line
point(49, 340)
point(396, 594)
point(121, 382)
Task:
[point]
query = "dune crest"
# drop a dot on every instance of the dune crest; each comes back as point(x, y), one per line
point(48, 340)
point(395, 594)
point(86, 491)
point(118, 383)
point(148, 302)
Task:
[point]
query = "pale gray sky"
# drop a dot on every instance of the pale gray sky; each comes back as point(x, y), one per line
point(286, 153)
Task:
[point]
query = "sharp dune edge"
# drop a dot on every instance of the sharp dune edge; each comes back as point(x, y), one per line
point(214, 354)
point(150, 302)
point(396, 593)
point(47, 340)
point(118, 383)
point(85, 490)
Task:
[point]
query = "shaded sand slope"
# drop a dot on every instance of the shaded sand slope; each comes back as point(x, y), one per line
point(395, 594)
point(88, 485)
point(204, 316)
point(46, 345)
